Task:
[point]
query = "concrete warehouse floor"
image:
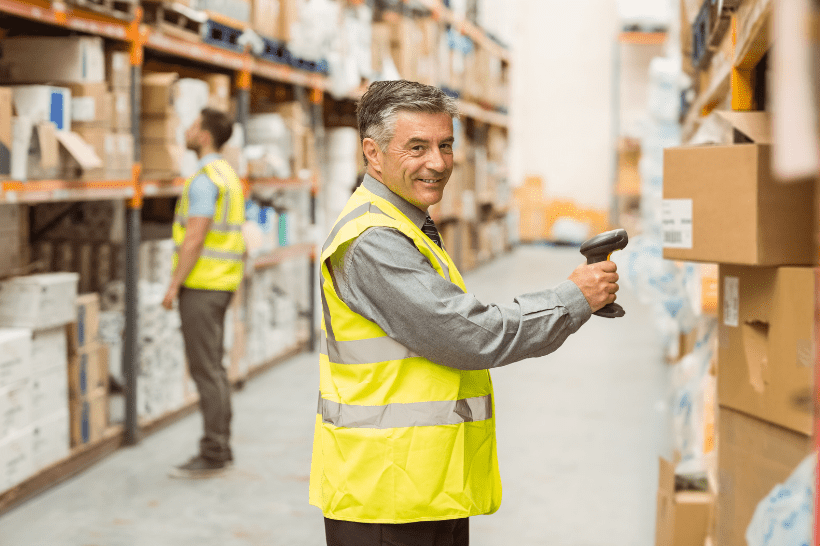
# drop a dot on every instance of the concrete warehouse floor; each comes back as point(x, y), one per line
point(579, 435)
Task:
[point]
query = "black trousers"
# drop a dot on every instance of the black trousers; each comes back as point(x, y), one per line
point(451, 532)
point(202, 313)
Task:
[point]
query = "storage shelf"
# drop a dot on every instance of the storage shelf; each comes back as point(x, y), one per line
point(61, 15)
point(752, 32)
point(442, 13)
point(472, 110)
point(284, 254)
point(42, 191)
point(280, 183)
point(718, 90)
point(162, 188)
point(195, 51)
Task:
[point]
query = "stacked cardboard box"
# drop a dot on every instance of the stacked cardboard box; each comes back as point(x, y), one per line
point(34, 418)
point(161, 152)
point(120, 142)
point(722, 204)
point(14, 249)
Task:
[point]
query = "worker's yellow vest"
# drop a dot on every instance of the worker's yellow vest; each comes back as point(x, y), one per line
point(398, 438)
point(220, 263)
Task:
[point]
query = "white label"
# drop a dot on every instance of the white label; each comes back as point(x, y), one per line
point(677, 223)
point(731, 301)
point(83, 109)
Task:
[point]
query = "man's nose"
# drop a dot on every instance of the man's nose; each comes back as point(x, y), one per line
point(435, 161)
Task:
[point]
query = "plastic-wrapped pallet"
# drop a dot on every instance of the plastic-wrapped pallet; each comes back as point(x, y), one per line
point(315, 30)
point(268, 146)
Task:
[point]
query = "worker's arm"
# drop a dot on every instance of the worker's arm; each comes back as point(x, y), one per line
point(195, 232)
point(383, 277)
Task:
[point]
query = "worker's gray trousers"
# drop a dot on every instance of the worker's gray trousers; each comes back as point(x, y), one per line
point(203, 328)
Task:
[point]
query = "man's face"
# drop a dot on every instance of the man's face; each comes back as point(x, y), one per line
point(193, 136)
point(418, 161)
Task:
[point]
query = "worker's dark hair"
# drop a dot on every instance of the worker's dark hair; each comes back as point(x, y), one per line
point(219, 124)
point(378, 108)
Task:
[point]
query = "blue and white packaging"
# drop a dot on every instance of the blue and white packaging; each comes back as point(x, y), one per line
point(41, 103)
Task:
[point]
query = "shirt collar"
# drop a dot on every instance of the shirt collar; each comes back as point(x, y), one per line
point(415, 214)
point(208, 159)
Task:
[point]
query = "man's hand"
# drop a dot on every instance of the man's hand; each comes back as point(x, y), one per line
point(170, 296)
point(598, 283)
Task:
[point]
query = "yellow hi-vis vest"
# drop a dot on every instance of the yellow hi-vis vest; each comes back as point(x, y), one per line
point(220, 264)
point(398, 438)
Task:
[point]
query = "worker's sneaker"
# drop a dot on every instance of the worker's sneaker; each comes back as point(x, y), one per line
point(200, 467)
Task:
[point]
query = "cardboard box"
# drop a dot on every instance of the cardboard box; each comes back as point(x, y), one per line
point(684, 517)
point(15, 459)
point(288, 15)
point(159, 93)
point(723, 205)
point(118, 69)
point(14, 239)
point(89, 418)
point(49, 392)
point(34, 150)
point(161, 129)
point(121, 111)
point(43, 103)
point(90, 104)
point(766, 342)
point(161, 158)
point(88, 371)
point(15, 408)
point(50, 441)
point(49, 348)
point(86, 329)
point(97, 140)
point(74, 59)
point(6, 113)
point(219, 95)
point(753, 457)
point(15, 355)
point(38, 301)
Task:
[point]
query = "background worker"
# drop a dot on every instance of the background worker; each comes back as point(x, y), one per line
point(404, 448)
point(207, 271)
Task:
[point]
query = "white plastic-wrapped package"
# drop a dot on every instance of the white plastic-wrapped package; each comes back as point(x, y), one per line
point(786, 516)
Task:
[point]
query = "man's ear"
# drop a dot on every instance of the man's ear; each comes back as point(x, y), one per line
point(373, 154)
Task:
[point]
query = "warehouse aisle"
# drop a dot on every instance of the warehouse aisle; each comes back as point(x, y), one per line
point(579, 436)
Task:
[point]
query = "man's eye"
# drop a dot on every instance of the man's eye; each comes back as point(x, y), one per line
point(447, 147)
point(418, 148)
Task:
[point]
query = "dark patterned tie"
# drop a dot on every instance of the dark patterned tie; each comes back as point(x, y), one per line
point(429, 229)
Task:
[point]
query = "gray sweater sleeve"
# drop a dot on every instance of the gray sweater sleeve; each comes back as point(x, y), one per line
point(383, 277)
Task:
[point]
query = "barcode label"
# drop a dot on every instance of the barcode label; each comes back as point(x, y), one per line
point(731, 301)
point(676, 219)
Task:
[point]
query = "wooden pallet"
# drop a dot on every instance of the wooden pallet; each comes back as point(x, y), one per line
point(175, 19)
point(223, 32)
point(124, 10)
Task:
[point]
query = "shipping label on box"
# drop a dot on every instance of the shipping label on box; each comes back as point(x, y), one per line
point(15, 355)
point(15, 408)
point(88, 371)
point(118, 68)
point(50, 440)
point(121, 111)
point(766, 334)
point(49, 392)
point(38, 301)
point(676, 220)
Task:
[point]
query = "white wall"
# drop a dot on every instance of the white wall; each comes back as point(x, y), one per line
point(562, 111)
point(634, 85)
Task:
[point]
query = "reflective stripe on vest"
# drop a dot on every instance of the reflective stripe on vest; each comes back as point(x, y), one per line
point(218, 254)
point(415, 414)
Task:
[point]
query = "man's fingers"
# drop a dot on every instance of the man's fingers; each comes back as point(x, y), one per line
point(608, 266)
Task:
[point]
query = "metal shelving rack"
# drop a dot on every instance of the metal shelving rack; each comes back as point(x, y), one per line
point(139, 39)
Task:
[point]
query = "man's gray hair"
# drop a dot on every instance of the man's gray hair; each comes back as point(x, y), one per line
point(379, 107)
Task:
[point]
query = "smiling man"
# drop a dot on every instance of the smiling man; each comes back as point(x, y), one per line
point(404, 448)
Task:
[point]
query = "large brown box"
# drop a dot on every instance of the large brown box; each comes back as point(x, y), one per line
point(118, 70)
point(753, 457)
point(722, 204)
point(161, 158)
point(89, 418)
point(159, 93)
point(766, 342)
point(5, 130)
point(265, 17)
point(684, 518)
point(86, 329)
point(159, 128)
point(121, 110)
point(90, 105)
point(88, 371)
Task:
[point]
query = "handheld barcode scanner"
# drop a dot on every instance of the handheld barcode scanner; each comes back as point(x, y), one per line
point(599, 249)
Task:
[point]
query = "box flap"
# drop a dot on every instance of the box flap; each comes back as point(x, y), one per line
point(80, 150)
point(755, 125)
